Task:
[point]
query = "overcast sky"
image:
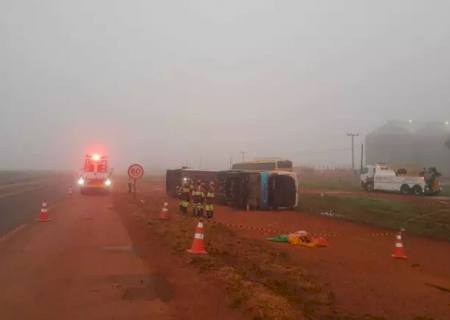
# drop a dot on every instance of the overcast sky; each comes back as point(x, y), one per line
point(167, 83)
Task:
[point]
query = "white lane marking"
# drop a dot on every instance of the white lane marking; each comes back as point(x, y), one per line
point(12, 233)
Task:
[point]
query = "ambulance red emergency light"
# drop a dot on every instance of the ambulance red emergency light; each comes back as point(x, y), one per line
point(95, 174)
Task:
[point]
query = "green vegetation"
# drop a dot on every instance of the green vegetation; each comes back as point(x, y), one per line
point(339, 179)
point(445, 191)
point(425, 217)
point(340, 184)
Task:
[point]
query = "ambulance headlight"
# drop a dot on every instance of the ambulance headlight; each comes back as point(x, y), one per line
point(81, 181)
point(108, 182)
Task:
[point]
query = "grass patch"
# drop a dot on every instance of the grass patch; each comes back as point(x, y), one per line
point(445, 191)
point(429, 218)
point(343, 180)
point(332, 185)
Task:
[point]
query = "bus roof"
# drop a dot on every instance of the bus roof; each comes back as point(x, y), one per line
point(268, 160)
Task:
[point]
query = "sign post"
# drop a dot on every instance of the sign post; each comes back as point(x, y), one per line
point(135, 172)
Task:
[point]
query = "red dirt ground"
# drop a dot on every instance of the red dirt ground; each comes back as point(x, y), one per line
point(358, 264)
point(85, 264)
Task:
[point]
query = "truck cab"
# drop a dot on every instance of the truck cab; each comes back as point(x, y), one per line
point(95, 174)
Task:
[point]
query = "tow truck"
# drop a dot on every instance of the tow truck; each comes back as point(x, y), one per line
point(95, 174)
point(380, 177)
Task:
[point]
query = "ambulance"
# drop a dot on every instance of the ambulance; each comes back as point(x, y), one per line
point(95, 174)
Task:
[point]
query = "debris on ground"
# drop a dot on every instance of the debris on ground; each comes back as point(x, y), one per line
point(302, 238)
point(279, 238)
point(327, 213)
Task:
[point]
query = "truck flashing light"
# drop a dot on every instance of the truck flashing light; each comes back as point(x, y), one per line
point(108, 182)
point(81, 181)
point(95, 157)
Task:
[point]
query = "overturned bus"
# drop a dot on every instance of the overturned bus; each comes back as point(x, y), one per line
point(257, 190)
point(176, 177)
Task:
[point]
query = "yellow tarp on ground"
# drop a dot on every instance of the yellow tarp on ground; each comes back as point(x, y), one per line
point(303, 238)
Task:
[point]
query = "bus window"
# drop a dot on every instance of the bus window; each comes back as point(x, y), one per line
point(268, 165)
point(284, 164)
point(257, 166)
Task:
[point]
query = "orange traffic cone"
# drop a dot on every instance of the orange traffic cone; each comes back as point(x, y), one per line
point(198, 246)
point(43, 214)
point(164, 215)
point(399, 253)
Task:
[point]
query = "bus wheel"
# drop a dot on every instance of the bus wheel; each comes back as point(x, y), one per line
point(405, 189)
point(417, 190)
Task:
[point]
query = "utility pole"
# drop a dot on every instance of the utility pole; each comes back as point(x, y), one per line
point(362, 156)
point(243, 155)
point(231, 161)
point(353, 135)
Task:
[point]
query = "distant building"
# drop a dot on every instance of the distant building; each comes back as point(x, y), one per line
point(411, 144)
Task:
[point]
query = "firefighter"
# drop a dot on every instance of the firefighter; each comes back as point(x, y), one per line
point(209, 200)
point(197, 200)
point(191, 187)
point(185, 197)
point(130, 185)
point(179, 190)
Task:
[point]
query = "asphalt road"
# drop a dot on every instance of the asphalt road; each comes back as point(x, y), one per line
point(22, 193)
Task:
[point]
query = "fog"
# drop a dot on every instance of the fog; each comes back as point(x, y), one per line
point(170, 83)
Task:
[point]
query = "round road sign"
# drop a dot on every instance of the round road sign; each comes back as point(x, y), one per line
point(135, 171)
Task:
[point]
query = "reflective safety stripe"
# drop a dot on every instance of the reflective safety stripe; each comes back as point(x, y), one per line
point(198, 236)
point(399, 245)
point(200, 225)
point(184, 203)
